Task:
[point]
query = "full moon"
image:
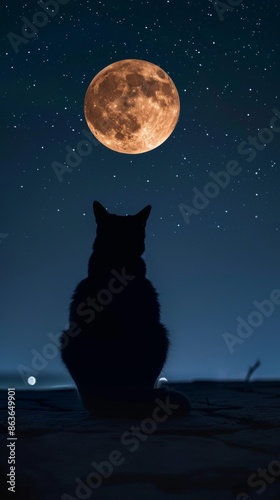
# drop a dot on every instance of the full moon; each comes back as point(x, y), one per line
point(31, 380)
point(132, 106)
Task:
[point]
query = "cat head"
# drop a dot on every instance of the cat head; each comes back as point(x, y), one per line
point(120, 236)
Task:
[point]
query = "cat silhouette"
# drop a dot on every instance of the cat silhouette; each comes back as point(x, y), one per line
point(116, 346)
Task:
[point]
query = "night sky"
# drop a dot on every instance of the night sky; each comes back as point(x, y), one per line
point(210, 266)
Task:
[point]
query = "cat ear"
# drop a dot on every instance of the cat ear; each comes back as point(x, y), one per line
point(144, 214)
point(100, 212)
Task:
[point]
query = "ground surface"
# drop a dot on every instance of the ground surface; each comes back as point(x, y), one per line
point(231, 435)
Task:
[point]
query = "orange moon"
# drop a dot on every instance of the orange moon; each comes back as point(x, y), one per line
point(132, 106)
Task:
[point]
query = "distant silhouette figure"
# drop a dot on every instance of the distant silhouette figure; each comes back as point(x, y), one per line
point(116, 346)
point(252, 369)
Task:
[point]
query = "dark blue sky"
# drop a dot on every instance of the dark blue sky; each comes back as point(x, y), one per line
point(208, 272)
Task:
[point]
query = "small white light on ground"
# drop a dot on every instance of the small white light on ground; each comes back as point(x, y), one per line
point(31, 380)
